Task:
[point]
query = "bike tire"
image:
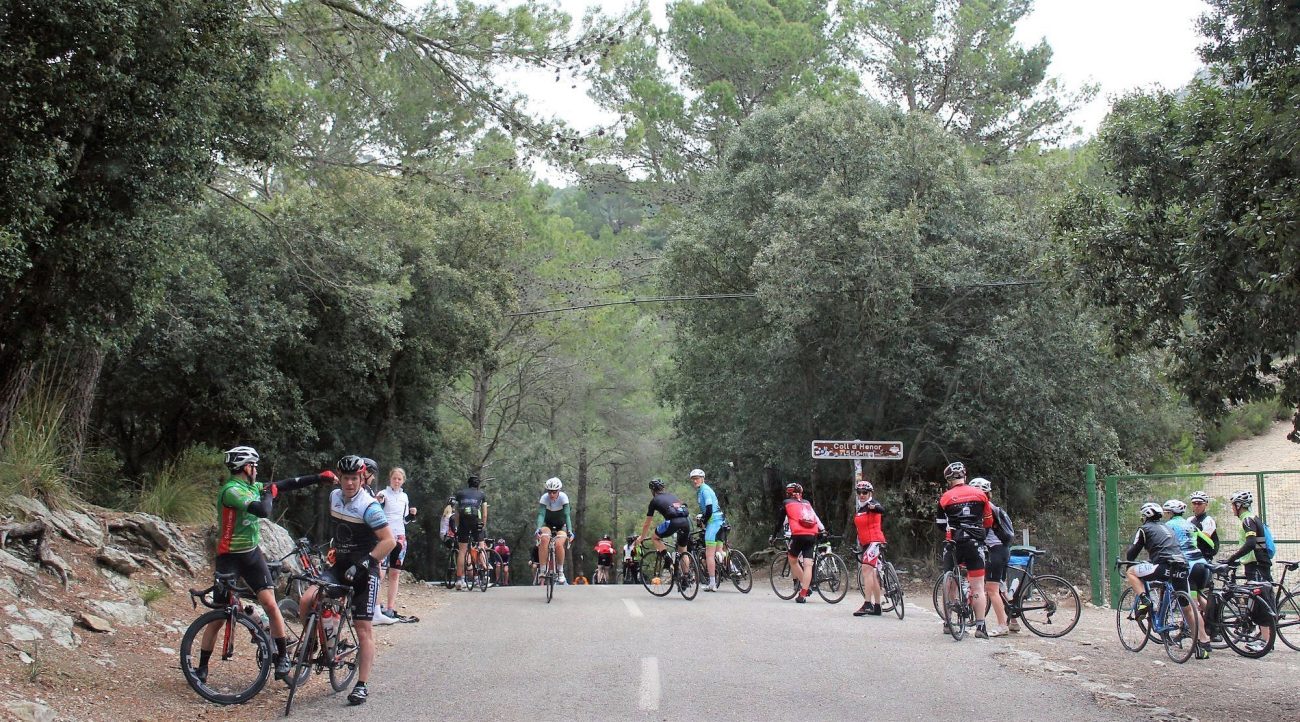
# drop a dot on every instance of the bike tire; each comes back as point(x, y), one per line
point(1288, 618)
point(738, 571)
point(894, 589)
point(953, 615)
point(347, 655)
point(936, 597)
point(1132, 632)
point(1238, 629)
point(1180, 636)
point(688, 575)
point(656, 575)
point(261, 650)
point(831, 571)
point(782, 578)
point(1050, 606)
point(301, 670)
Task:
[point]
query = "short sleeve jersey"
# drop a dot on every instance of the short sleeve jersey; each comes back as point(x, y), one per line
point(667, 506)
point(396, 504)
point(239, 531)
point(1185, 534)
point(355, 522)
point(470, 503)
point(705, 497)
point(967, 511)
point(1159, 542)
point(604, 546)
point(1252, 527)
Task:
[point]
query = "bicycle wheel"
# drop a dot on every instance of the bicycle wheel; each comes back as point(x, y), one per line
point(241, 658)
point(737, 566)
point(1288, 617)
point(656, 573)
point(688, 575)
point(1179, 634)
point(954, 618)
point(782, 578)
point(347, 651)
point(831, 578)
point(893, 589)
point(936, 597)
point(302, 658)
point(1050, 606)
point(1238, 628)
point(1132, 631)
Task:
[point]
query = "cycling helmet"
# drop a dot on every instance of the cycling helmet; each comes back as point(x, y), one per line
point(1200, 496)
point(1175, 507)
point(863, 486)
point(501, 542)
point(1243, 498)
point(553, 484)
point(955, 470)
point(350, 464)
point(793, 488)
point(241, 456)
point(451, 500)
point(606, 537)
point(981, 483)
point(657, 485)
point(371, 465)
point(473, 481)
point(631, 538)
point(697, 472)
point(1152, 511)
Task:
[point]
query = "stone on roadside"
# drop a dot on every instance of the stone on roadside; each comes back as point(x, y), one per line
point(26, 711)
point(118, 560)
point(16, 565)
point(95, 623)
point(121, 612)
point(24, 633)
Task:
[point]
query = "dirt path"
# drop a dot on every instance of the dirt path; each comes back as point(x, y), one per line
point(1269, 452)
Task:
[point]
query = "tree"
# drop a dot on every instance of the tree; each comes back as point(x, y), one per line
point(1190, 248)
point(957, 60)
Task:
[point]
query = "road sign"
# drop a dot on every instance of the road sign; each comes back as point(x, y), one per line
point(877, 450)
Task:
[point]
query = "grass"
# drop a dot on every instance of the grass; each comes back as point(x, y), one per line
point(37, 667)
point(149, 595)
point(1244, 422)
point(183, 491)
point(33, 459)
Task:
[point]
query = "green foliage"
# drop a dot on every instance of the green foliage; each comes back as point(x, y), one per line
point(151, 594)
point(33, 462)
point(182, 491)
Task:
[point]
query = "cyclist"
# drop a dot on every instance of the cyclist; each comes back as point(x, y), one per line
point(871, 535)
point(676, 518)
point(1257, 558)
point(369, 474)
point(398, 509)
point(801, 520)
point(1200, 577)
point(1165, 562)
point(1208, 538)
point(967, 516)
point(996, 539)
point(362, 541)
point(554, 524)
point(712, 520)
point(631, 564)
point(503, 566)
point(241, 504)
point(471, 519)
point(604, 557)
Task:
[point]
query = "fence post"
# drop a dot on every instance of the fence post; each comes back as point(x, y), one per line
point(1094, 531)
point(1112, 537)
point(1259, 485)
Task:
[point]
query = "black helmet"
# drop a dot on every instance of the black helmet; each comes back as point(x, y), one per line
point(657, 485)
point(631, 538)
point(350, 464)
point(371, 465)
point(473, 481)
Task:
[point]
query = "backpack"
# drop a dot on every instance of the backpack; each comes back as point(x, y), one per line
point(1268, 538)
point(807, 515)
point(1002, 528)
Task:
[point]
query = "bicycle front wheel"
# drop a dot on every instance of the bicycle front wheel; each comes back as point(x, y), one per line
point(831, 578)
point(688, 575)
point(936, 597)
point(783, 580)
point(1050, 606)
point(1180, 630)
point(893, 589)
point(241, 658)
point(302, 659)
point(737, 566)
point(1132, 630)
point(347, 652)
point(1288, 616)
point(954, 617)
point(656, 573)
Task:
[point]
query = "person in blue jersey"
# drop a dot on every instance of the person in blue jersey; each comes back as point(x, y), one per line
point(1200, 576)
point(712, 520)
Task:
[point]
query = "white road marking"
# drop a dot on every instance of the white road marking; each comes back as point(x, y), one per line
point(632, 608)
point(650, 684)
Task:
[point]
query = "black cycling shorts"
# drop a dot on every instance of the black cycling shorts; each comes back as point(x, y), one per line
point(1160, 572)
point(1202, 578)
point(605, 560)
point(365, 588)
point(249, 565)
point(995, 568)
point(802, 545)
point(681, 527)
point(469, 529)
point(965, 552)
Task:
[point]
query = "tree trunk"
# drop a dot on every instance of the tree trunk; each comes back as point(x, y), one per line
point(16, 380)
point(580, 518)
point(90, 362)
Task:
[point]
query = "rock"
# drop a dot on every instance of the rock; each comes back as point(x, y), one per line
point(83, 527)
point(117, 560)
point(25, 658)
point(25, 711)
point(97, 624)
point(163, 536)
point(15, 565)
point(121, 612)
point(1121, 696)
point(172, 653)
point(406, 577)
point(116, 582)
point(277, 543)
point(24, 633)
point(58, 624)
point(33, 508)
point(7, 585)
point(1075, 658)
point(1058, 669)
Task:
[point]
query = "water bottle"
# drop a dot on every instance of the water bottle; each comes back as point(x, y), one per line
point(1014, 584)
point(330, 621)
point(259, 615)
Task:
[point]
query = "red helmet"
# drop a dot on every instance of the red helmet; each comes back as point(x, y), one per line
point(793, 488)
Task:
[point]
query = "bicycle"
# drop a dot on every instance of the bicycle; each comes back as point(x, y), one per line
point(310, 561)
point(547, 576)
point(1036, 599)
point(449, 578)
point(1287, 607)
point(240, 670)
point(731, 564)
point(478, 570)
point(830, 573)
point(631, 571)
point(661, 572)
point(891, 589)
point(1229, 613)
point(958, 613)
point(336, 641)
point(1166, 619)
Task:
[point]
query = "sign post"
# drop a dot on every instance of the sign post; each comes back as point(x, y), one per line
point(857, 451)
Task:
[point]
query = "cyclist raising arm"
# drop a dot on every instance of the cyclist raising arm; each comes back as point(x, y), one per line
point(553, 520)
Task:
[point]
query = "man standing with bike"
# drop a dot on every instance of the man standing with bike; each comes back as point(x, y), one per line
point(868, 521)
point(797, 514)
point(968, 516)
point(676, 518)
point(712, 520)
point(1255, 554)
point(1165, 562)
point(998, 558)
point(471, 521)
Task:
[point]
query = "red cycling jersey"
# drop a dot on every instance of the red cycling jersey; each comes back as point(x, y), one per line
point(968, 512)
point(803, 520)
point(867, 520)
point(604, 546)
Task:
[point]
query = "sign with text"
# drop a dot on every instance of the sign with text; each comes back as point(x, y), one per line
point(877, 450)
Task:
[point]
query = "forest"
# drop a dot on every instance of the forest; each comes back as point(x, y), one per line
point(322, 227)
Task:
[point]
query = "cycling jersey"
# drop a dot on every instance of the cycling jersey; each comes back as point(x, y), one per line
point(444, 526)
point(396, 507)
point(1184, 533)
point(668, 506)
point(355, 523)
point(502, 551)
point(801, 517)
point(470, 504)
point(1251, 536)
point(1160, 545)
point(967, 512)
point(1208, 540)
point(710, 509)
point(604, 546)
point(553, 512)
point(239, 529)
point(868, 522)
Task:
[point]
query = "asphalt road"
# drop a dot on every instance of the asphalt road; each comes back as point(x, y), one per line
point(618, 653)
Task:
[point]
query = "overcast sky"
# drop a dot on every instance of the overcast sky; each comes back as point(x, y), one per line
point(1119, 44)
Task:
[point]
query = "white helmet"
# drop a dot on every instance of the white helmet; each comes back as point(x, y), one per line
point(697, 472)
point(1175, 507)
point(240, 456)
point(981, 483)
point(554, 484)
point(1152, 511)
point(1243, 499)
point(1200, 496)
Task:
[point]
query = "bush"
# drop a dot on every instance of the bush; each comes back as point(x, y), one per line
point(183, 491)
point(149, 595)
point(33, 461)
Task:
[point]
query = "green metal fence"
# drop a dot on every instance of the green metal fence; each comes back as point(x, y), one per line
point(1113, 509)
